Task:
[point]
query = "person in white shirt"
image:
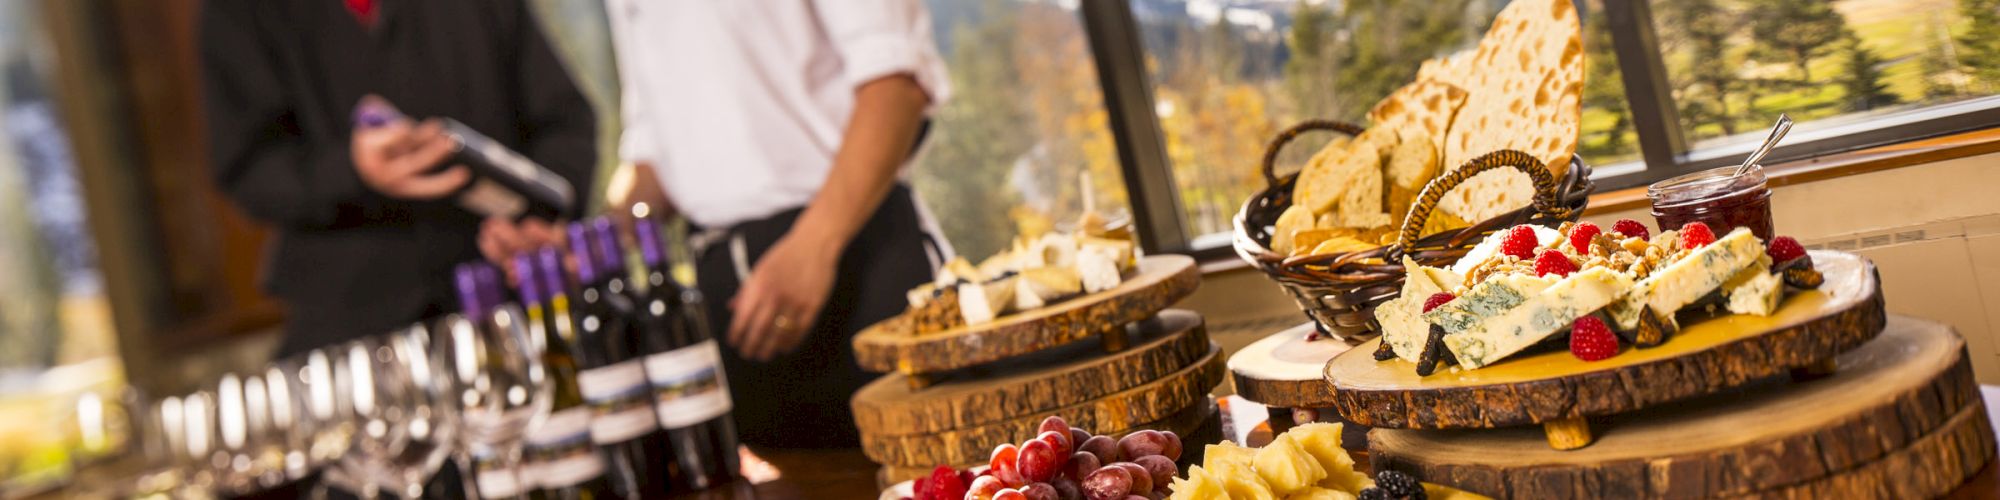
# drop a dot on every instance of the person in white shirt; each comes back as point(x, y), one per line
point(780, 130)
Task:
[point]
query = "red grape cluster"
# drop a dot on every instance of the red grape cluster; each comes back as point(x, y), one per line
point(1067, 463)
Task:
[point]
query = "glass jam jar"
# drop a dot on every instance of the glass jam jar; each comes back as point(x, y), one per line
point(1717, 197)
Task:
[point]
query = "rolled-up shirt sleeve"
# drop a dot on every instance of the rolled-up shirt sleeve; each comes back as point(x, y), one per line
point(880, 38)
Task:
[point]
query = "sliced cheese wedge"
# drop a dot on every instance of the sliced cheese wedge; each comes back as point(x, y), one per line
point(980, 303)
point(1045, 285)
point(1403, 326)
point(1504, 315)
point(1686, 280)
point(1754, 291)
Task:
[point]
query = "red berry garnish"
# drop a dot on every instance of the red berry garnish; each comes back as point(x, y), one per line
point(1437, 299)
point(1784, 249)
point(1696, 234)
point(1552, 261)
point(945, 483)
point(1590, 340)
point(1520, 242)
point(1631, 229)
point(1580, 236)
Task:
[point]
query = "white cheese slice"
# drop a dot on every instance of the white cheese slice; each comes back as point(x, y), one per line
point(1098, 269)
point(1490, 246)
point(980, 303)
point(1688, 279)
point(1055, 249)
point(921, 295)
point(999, 264)
point(1403, 326)
point(1040, 286)
point(1122, 252)
point(955, 272)
point(1536, 313)
point(1755, 291)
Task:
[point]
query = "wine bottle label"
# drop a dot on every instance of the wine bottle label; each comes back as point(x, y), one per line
point(498, 483)
point(619, 394)
point(490, 199)
point(688, 385)
point(560, 453)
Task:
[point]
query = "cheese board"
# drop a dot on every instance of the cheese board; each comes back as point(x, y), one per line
point(1156, 282)
point(1284, 369)
point(1127, 409)
point(1900, 418)
point(1559, 391)
point(1033, 383)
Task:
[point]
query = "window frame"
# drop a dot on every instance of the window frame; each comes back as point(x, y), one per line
point(1664, 152)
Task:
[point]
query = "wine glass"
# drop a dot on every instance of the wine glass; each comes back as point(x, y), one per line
point(496, 377)
point(405, 418)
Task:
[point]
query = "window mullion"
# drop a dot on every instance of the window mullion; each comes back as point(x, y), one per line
point(1128, 100)
point(1647, 90)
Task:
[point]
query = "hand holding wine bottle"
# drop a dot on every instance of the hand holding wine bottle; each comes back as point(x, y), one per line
point(398, 158)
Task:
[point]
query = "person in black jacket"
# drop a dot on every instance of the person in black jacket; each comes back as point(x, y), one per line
point(367, 230)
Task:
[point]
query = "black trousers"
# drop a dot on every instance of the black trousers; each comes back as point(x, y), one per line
point(800, 399)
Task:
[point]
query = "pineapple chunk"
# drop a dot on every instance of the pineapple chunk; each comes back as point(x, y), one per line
point(1286, 467)
point(1317, 493)
point(1200, 484)
point(1226, 452)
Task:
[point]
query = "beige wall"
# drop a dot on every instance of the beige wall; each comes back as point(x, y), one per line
point(1933, 231)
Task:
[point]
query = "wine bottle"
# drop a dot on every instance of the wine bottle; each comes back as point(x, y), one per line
point(560, 460)
point(690, 390)
point(614, 377)
point(494, 473)
point(504, 183)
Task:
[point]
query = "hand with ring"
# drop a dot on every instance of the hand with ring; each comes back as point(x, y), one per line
point(777, 306)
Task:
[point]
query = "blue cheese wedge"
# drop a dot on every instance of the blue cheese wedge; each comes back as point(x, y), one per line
point(1504, 315)
point(1045, 285)
point(1754, 291)
point(1403, 326)
point(980, 303)
point(1686, 280)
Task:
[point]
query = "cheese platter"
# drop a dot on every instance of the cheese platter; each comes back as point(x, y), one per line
point(1155, 282)
point(1559, 390)
point(1901, 417)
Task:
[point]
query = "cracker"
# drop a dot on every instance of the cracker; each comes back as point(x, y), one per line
point(1526, 86)
point(1294, 219)
point(1320, 184)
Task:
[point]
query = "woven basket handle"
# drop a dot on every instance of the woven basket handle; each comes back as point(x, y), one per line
point(1545, 200)
point(1278, 143)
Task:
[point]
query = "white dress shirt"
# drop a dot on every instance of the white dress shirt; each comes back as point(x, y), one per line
point(739, 105)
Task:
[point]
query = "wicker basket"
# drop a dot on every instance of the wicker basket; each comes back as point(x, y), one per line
point(1339, 291)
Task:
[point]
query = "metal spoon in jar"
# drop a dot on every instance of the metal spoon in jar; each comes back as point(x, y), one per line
point(1777, 132)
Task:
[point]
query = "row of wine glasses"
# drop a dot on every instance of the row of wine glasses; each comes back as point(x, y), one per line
point(375, 417)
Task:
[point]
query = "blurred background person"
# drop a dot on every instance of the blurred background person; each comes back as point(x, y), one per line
point(367, 232)
point(780, 131)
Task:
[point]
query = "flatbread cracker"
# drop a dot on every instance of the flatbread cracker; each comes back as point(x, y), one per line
point(1307, 240)
point(1526, 87)
point(1342, 244)
point(1319, 185)
point(1424, 108)
point(1296, 218)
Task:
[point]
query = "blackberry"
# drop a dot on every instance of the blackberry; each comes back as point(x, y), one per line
point(1399, 485)
point(1373, 494)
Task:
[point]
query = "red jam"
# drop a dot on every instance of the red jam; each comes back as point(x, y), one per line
point(1718, 197)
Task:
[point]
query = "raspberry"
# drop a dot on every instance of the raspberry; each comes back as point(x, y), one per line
point(1553, 261)
point(1399, 485)
point(1437, 299)
point(1631, 229)
point(1590, 340)
point(1784, 249)
point(1580, 236)
point(1696, 234)
point(1520, 242)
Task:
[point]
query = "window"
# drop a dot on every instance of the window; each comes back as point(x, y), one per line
point(1229, 75)
point(1025, 129)
point(1733, 65)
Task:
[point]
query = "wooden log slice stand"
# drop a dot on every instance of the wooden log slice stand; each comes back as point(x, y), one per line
point(1561, 392)
point(1159, 281)
point(1284, 370)
point(1119, 411)
point(1901, 418)
point(1032, 384)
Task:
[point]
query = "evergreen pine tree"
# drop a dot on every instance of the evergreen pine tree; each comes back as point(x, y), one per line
point(1862, 77)
point(1979, 45)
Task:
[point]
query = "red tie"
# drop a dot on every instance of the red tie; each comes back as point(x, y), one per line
point(364, 10)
